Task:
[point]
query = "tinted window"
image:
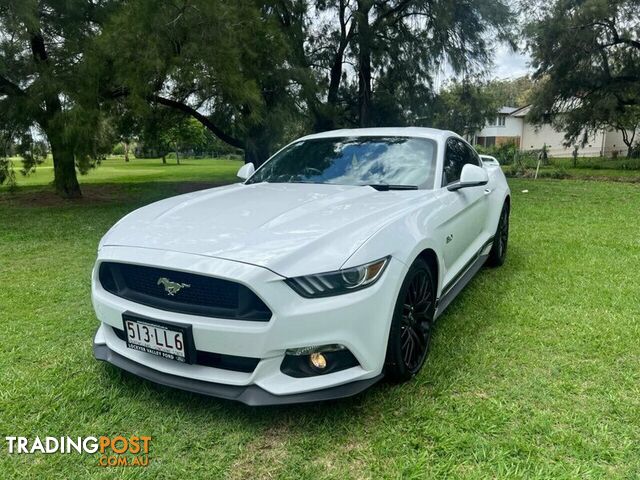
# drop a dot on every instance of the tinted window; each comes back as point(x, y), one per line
point(474, 158)
point(353, 161)
point(457, 155)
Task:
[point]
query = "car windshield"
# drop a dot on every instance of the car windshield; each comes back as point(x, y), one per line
point(388, 161)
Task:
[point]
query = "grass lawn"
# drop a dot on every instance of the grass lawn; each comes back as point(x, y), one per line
point(620, 169)
point(534, 371)
point(116, 170)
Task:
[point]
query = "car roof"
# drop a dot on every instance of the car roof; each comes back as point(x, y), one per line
point(432, 133)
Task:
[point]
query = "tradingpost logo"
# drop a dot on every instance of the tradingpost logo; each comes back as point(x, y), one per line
point(117, 451)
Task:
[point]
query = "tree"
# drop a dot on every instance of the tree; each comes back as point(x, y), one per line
point(587, 59)
point(185, 132)
point(511, 92)
point(43, 47)
point(464, 107)
point(374, 61)
point(628, 124)
point(222, 63)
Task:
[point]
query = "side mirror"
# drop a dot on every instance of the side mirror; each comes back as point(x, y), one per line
point(471, 176)
point(246, 171)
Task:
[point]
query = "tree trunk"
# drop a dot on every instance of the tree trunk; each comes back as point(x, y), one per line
point(324, 115)
point(256, 149)
point(628, 140)
point(164, 159)
point(126, 151)
point(177, 155)
point(364, 62)
point(64, 168)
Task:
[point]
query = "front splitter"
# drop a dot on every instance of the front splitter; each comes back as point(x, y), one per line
point(251, 395)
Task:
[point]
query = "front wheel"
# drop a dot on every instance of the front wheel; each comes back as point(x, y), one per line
point(498, 253)
point(412, 324)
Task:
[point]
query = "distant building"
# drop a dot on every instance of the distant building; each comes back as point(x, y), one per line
point(511, 126)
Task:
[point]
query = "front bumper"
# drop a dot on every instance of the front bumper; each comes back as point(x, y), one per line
point(360, 321)
point(251, 395)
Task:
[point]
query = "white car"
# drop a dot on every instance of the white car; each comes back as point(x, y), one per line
point(318, 275)
point(490, 160)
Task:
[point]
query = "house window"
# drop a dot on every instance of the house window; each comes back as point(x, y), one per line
point(502, 120)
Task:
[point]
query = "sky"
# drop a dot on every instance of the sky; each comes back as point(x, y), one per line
point(508, 64)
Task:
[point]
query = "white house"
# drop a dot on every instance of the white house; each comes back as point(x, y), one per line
point(511, 126)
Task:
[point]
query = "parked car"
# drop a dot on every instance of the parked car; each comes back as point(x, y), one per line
point(489, 160)
point(318, 275)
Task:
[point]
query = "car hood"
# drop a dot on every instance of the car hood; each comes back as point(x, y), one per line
point(291, 229)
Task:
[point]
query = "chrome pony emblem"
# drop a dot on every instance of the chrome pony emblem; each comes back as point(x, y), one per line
point(171, 287)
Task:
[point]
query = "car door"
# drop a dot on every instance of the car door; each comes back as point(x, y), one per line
point(466, 210)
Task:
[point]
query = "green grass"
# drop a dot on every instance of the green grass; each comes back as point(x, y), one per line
point(534, 371)
point(116, 170)
point(620, 169)
point(598, 163)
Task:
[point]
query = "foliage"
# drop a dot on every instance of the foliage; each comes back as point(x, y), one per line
point(463, 107)
point(511, 92)
point(118, 149)
point(223, 63)
point(187, 131)
point(44, 48)
point(7, 173)
point(505, 153)
point(254, 74)
point(587, 59)
point(374, 62)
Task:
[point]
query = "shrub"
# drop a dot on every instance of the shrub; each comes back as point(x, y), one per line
point(559, 173)
point(118, 149)
point(505, 153)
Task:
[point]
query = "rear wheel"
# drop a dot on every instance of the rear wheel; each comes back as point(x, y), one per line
point(412, 324)
point(498, 253)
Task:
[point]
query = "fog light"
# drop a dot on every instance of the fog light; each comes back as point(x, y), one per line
point(318, 360)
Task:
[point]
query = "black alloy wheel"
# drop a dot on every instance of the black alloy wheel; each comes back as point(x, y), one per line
point(412, 325)
point(498, 253)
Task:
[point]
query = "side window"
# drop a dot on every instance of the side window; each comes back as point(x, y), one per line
point(474, 158)
point(457, 155)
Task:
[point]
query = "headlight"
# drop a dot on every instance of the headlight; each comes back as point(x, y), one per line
point(340, 281)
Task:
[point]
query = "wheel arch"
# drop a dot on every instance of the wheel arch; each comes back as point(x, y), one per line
point(431, 257)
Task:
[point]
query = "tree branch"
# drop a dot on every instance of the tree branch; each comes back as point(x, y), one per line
point(168, 102)
point(391, 12)
point(7, 87)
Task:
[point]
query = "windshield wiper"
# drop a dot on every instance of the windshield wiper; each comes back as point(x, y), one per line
point(383, 187)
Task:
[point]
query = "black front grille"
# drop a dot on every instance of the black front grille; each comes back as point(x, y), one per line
point(197, 295)
point(217, 360)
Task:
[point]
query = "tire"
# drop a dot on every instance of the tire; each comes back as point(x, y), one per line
point(498, 253)
point(412, 324)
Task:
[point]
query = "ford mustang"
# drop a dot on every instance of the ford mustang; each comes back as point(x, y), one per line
point(322, 272)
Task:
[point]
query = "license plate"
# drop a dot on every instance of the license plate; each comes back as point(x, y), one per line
point(164, 339)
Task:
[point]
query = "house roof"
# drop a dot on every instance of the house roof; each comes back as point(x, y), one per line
point(521, 112)
point(507, 110)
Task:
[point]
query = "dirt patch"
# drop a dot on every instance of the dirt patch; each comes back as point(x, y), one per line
point(46, 197)
point(264, 457)
point(187, 187)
